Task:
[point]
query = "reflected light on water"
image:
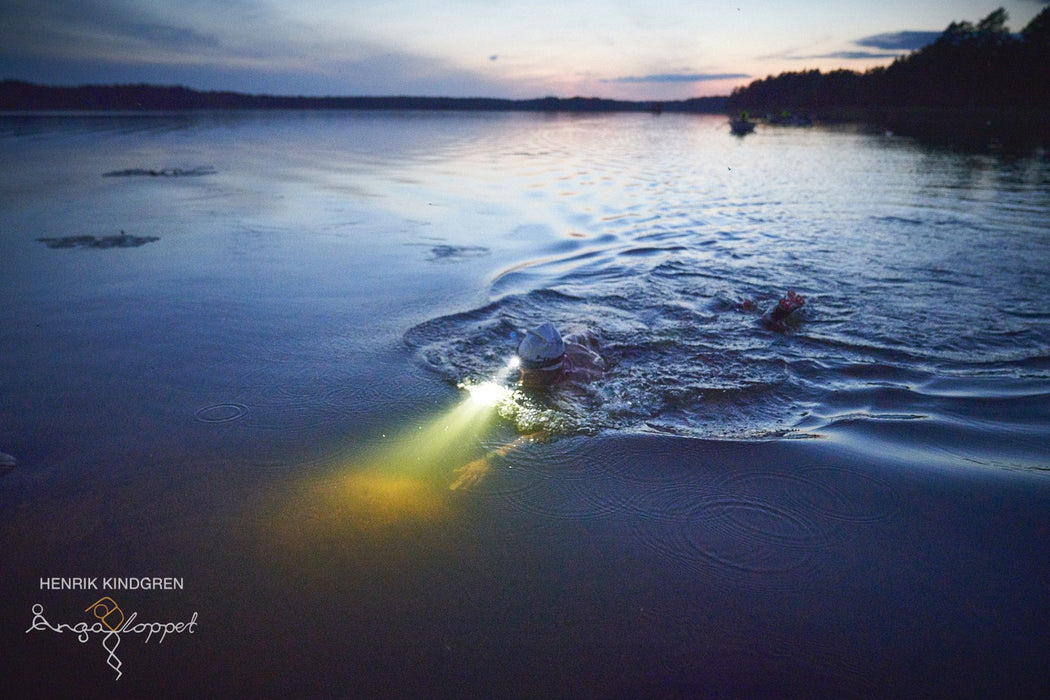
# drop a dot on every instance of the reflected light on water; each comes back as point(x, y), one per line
point(399, 482)
point(355, 502)
point(493, 392)
point(488, 394)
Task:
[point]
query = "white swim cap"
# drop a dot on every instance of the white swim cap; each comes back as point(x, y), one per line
point(542, 347)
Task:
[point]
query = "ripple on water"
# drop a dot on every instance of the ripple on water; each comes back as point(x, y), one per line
point(566, 500)
point(756, 521)
point(310, 392)
point(222, 412)
point(727, 537)
point(551, 481)
point(744, 534)
point(674, 365)
point(853, 495)
point(651, 481)
point(334, 399)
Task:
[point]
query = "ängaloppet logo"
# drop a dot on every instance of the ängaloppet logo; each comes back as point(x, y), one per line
point(107, 622)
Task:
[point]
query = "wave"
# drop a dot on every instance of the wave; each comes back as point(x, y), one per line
point(687, 356)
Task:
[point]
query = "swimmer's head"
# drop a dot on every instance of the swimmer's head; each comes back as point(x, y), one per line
point(541, 354)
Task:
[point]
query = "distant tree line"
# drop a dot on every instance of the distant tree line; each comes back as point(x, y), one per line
point(17, 95)
point(975, 81)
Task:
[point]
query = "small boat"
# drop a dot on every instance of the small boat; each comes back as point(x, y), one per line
point(741, 126)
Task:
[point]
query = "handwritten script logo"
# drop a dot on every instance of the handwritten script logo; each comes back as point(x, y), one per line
point(110, 623)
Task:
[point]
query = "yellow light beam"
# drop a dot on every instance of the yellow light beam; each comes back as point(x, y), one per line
point(401, 481)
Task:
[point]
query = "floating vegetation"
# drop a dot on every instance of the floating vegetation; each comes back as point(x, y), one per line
point(456, 253)
point(165, 172)
point(122, 240)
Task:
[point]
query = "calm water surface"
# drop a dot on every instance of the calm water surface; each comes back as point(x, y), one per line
point(240, 358)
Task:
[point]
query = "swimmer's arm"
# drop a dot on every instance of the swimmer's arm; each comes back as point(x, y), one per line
point(535, 436)
point(472, 472)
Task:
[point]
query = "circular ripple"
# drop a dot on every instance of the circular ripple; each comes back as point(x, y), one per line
point(561, 499)
point(557, 480)
point(735, 534)
point(673, 502)
point(753, 535)
point(856, 497)
point(825, 493)
point(222, 412)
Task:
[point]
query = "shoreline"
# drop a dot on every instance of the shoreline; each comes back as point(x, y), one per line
point(21, 96)
point(980, 128)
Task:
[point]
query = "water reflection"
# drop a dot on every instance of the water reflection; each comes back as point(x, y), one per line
point(400, 480)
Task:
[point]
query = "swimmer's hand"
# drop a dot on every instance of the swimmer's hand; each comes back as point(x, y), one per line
point(785, 314)
point(470, 474)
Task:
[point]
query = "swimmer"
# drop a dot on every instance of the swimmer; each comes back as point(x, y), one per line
point(547, 360)
point(786, 314)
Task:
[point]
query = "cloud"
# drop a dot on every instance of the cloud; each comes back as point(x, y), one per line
point(849, 55)
point(171, 36)
point(382, 74)
point(678, 78)
point(855, 55)
point(903, 41)
point(105, 30)
point(238, 44)
point(887, 45)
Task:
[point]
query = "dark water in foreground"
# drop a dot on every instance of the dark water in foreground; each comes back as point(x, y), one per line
point(234, 362)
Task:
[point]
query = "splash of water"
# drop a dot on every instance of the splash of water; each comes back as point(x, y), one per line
point(678, 362)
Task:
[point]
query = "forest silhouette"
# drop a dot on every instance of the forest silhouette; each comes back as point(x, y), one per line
point(21, 96)
point(975, 84)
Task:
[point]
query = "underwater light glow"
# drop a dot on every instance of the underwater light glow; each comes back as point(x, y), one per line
point(402, 480)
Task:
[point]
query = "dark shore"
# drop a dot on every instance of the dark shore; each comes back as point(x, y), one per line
point(1013, 128)
point(978, 129)
point(977, 86)
point(20, 96)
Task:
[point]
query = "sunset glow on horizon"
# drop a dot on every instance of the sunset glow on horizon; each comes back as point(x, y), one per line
point(465, 48)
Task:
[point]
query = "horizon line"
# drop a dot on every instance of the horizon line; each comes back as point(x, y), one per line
point(241, 93)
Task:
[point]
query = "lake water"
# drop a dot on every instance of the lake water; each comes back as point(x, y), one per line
point(239, 361)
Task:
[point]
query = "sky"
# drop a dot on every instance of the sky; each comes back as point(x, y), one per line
point(619, 49)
